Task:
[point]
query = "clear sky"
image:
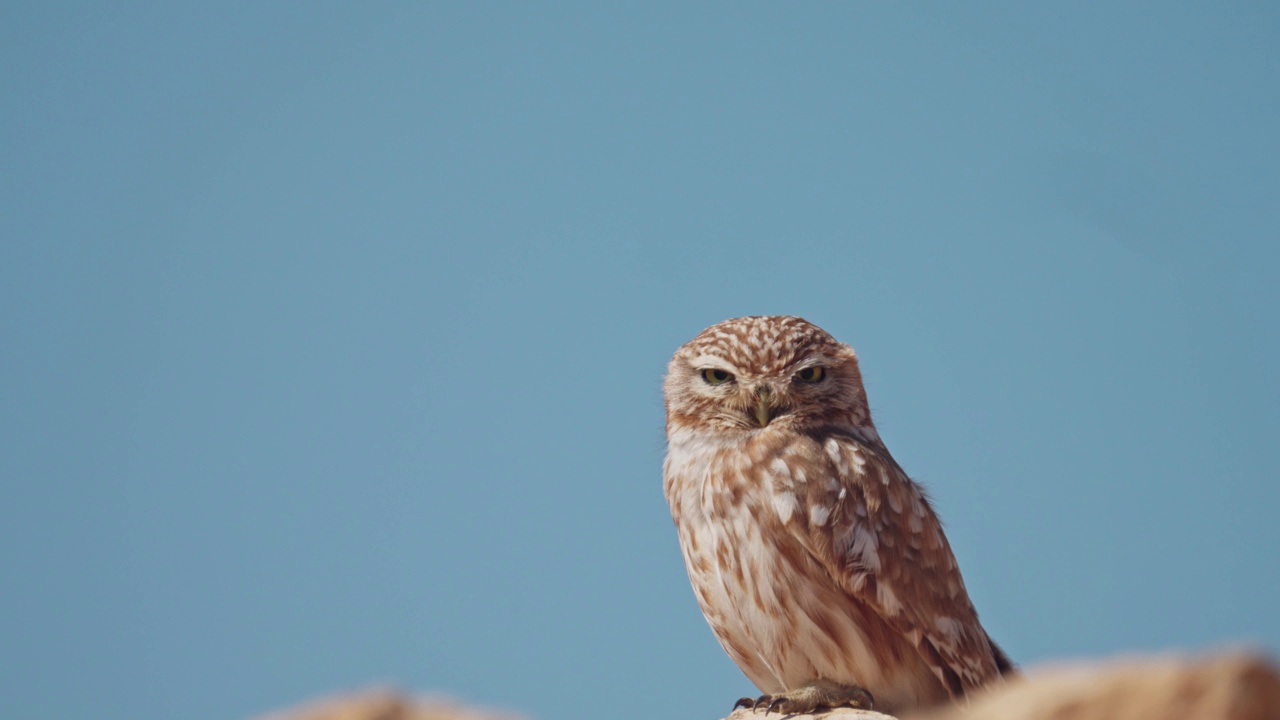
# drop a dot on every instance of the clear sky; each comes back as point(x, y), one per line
point(332, 334)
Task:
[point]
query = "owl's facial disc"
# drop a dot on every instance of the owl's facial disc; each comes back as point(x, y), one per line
point(758, 401)
point(716, 381)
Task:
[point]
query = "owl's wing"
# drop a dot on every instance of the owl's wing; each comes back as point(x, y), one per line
point(882, 543)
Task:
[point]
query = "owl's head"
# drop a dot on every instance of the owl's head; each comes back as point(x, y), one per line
point(754, 373)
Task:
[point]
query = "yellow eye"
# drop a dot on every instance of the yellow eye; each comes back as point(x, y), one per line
point(716, 376)
point(811, 374)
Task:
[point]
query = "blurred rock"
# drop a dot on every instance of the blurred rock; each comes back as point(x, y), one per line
point(1231, 686)
point(384, 705)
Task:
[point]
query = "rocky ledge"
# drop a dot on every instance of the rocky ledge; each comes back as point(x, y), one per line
point(1227, 686)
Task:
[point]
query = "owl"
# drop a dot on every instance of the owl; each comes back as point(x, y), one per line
point(820, 566)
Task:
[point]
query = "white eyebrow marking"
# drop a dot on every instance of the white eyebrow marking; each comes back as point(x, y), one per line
point(812, 361)
point(711, 361)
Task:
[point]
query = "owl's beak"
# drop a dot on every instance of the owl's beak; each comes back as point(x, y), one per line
point(764, 403)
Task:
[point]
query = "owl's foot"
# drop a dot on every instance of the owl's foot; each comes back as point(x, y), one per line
point(810, 697)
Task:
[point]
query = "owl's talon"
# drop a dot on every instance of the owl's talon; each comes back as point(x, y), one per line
point(866, 701)
point(755, 703)
point(809, 698)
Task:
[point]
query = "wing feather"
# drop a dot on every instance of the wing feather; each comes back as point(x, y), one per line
point(881, 542)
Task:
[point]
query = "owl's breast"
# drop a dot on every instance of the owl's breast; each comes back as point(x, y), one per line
point(723, 521)
point(774, 608)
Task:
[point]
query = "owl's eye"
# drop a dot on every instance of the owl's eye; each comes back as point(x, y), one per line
point(716, 376)
point(811, 374)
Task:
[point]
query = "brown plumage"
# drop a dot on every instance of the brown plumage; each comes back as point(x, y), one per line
point(819, 564)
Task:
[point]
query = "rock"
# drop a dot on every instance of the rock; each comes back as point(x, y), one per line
point(384, 705)
point(1231, 686)
point(838, 714)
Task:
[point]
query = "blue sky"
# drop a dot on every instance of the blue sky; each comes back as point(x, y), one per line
point(333, 333)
